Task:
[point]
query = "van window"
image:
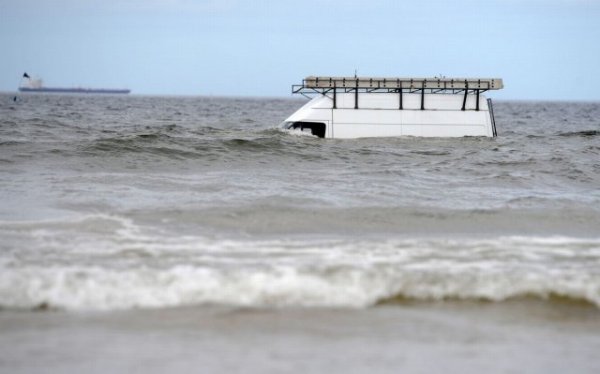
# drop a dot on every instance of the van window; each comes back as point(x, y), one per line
point(316, 128)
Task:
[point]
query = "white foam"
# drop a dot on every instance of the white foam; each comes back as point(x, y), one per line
point(341, 286)
point(298, 132)
point(105, 262)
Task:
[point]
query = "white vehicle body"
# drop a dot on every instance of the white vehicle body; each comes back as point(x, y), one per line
point(358, 112)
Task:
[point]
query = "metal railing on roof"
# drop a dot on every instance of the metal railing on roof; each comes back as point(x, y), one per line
point(370, 84)
point(333, 85)
point(406, 83)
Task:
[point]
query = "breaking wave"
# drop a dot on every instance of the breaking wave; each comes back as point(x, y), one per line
point(76, 288)
point(144, 272)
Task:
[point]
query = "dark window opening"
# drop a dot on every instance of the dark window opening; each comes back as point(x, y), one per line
point(316, 128)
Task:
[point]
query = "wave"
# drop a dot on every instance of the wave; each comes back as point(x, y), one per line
point(94, 288)
point(584, 133)
point(112, 264)
point(153, 144)
point(204, 144)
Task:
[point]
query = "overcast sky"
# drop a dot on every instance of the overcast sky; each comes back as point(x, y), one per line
point(544, 49)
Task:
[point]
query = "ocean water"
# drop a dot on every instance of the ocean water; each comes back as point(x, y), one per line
point(124, 217)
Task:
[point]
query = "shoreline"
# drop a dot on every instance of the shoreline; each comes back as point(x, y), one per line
point(412, 336)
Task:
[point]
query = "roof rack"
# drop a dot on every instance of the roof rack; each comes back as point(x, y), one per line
point(435, 85)
point(314, 84)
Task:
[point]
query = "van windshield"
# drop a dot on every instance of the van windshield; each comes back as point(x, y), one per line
point(315, 128)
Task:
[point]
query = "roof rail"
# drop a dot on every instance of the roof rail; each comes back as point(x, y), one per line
point(324, 84)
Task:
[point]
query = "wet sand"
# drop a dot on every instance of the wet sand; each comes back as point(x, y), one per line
point(454, 336)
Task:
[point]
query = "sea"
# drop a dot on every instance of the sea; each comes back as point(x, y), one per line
point(147, 234)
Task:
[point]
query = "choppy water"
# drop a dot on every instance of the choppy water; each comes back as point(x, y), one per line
point(124, 202)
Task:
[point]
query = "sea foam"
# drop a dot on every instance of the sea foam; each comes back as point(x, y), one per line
point(137, 272)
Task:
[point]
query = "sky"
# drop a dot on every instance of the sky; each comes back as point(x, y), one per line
point(543, 49)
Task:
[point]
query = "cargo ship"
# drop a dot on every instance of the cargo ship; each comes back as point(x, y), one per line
point(37, 85)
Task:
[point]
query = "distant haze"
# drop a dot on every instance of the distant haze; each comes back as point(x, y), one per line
point(546, 50)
